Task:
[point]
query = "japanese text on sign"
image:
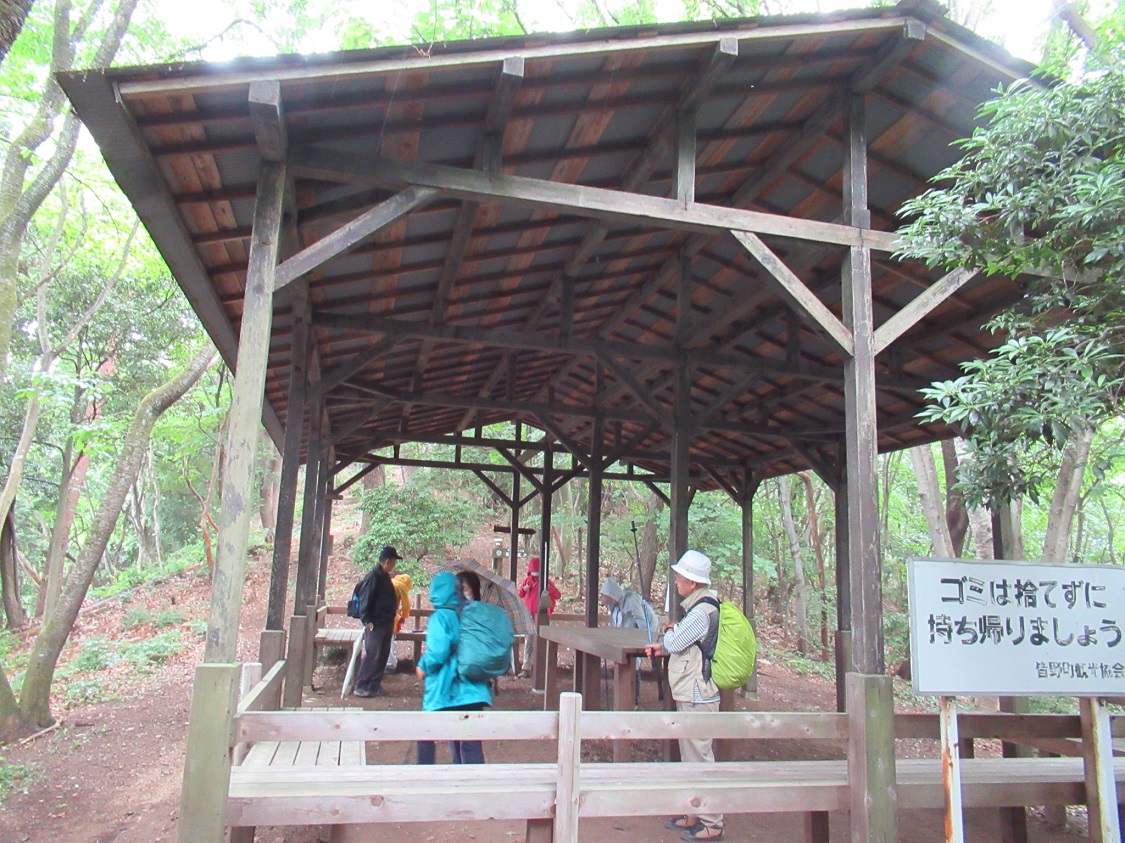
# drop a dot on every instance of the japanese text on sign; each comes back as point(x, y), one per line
point(997, 627)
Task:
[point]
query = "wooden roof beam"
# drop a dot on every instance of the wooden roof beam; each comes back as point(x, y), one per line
point(579, 200)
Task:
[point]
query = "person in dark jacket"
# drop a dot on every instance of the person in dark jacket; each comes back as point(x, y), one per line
point(378, 626)
point(444, 689)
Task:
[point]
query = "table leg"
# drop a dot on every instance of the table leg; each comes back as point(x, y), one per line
point(551, 695)
point(624, 687)
point(591, 682)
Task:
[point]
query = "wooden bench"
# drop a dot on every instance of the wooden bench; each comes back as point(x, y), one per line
point(553, 797)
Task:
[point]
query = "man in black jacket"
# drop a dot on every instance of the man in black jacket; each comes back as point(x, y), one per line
point(378, 626)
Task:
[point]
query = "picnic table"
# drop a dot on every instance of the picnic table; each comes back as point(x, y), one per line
point(618, 647)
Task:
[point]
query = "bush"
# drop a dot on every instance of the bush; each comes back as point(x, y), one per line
point(144, 654)
point(137, 616)
point(96, 654)
point(83, 691)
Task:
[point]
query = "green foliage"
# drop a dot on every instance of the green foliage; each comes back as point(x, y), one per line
point(143, 655)
point(455, 20)
point(95, 654)
point(84, 690)
point(1021, 406)
point(419, 521)
point(137, 616)
point(15, 777)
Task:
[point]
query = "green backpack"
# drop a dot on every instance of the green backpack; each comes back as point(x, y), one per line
point(729, 648)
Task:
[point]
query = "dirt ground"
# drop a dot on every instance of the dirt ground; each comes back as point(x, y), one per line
point(110, 771)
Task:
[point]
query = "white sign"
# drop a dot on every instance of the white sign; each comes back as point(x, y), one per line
point(1016, 628)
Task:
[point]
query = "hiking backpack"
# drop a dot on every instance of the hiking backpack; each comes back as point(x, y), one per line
point(730, 648)
point(484, 646)
point(361, 597)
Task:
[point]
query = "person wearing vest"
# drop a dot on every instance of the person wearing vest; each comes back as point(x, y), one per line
point(690, 690)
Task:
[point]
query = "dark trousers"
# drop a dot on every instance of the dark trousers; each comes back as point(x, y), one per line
point(463, 752)
point(376, 649)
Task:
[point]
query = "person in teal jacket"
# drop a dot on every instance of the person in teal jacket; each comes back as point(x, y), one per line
point(444, 689)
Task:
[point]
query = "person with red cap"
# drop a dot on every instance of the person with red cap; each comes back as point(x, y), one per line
point(529, 589)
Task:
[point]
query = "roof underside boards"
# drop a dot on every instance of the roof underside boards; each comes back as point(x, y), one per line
point(513, 265)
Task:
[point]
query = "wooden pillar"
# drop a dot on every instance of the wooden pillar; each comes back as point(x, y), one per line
point(290, 458)
point(680, 493)
point(514, 560)
point(325, 532)
point(594, 525)
point(539, 668)
point(306, 577)
point(203, 795)
point(245, 419)
point(545, 517)
point(749, 489)
point(844, 664)
point(871, 760)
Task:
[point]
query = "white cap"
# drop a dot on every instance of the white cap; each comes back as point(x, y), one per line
point(694, 566)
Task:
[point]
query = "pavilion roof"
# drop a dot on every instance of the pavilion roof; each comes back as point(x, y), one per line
point(521, 250)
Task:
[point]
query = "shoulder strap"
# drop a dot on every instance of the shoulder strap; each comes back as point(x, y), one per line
point(710, 641)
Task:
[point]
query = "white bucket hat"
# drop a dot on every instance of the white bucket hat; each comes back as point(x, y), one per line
point(694, 566)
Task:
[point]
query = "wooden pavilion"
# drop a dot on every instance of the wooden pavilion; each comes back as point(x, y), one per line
point(670, 247)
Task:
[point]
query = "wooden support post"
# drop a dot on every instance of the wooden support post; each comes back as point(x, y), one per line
point(325, 539)
point(306, 564)
point(1097, 755)
point(537, 670)
point(594, 515)
point(271, 647)
point(290, 459)
point(514, 560)
point(844, 663)
point(680, 493)
point(294, 662)
point(203, 795)
point(310, 643)
point(749, 488)
point(871, 770)
point(570, 757)
point(245, 419)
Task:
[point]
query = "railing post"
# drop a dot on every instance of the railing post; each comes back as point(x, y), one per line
point(570, 757)
point(203, 796)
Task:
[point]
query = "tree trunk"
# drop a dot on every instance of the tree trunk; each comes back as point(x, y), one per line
point(956, 514)
point(799, 606)
point(818, 554)
point(373, 479)
point(21, 195)
point(647, 572)
point(35, 699)
point(922, 458)
point(1068, 487)
point(9, 575)
point(268, 509)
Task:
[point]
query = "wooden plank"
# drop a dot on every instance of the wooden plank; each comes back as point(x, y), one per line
point(264, 692)
point(351, 233)
point(734, 725)
point(796, 291)
point(921, 307)
point(570, 758)
point(390, 67)
point(581, 200)
point(245, 419)
point(294, 661)
point(207, 764)
point(360, 725)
